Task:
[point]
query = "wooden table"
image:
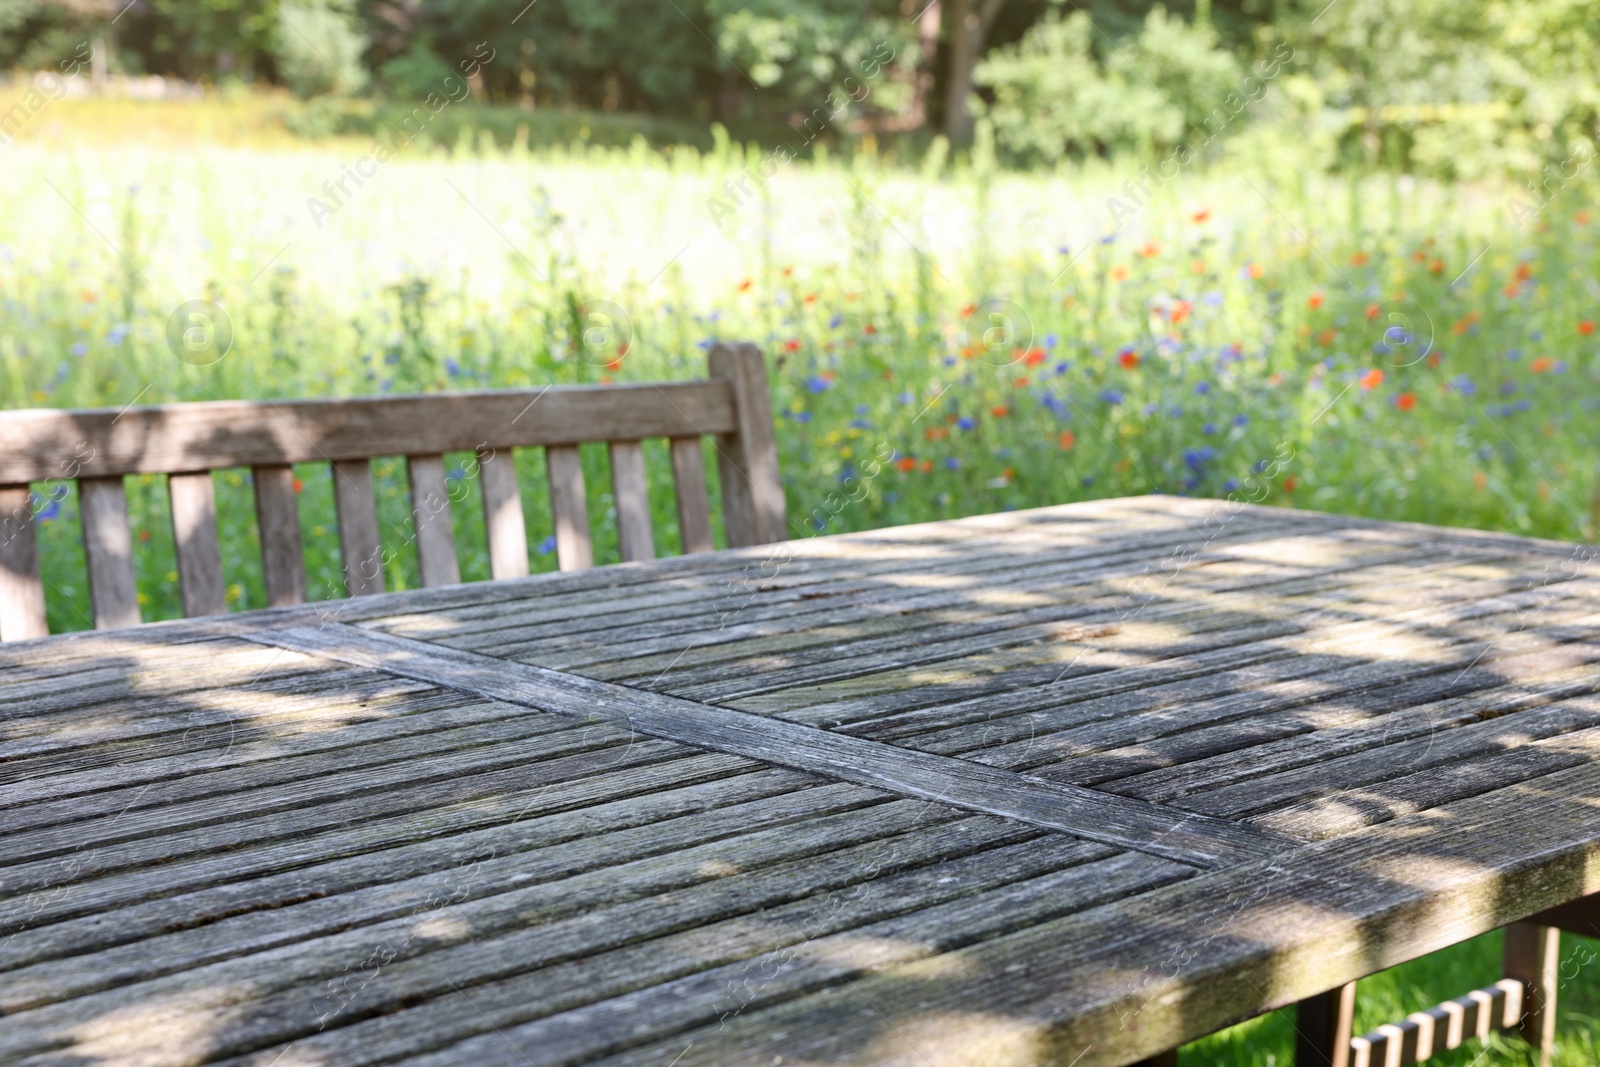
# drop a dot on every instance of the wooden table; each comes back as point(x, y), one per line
point(1062, 786)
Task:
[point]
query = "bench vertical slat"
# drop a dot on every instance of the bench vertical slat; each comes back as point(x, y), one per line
point(502, 514)
point(1324, 1025)
point(278, 515)
point(694, 507)
point(430, 511)
point(631, 491)
point(21, 591)
point(357, 510)
point(108, 544)
point(194, 533)
point(569, 507)
point(752, 491)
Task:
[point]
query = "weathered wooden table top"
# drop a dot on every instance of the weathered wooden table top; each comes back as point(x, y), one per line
point(1061, 786)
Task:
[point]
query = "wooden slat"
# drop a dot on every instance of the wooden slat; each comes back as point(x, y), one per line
point(630, 491)
point(194, 532)
point(502, 514)
point(1084, 813)
point(22, 612)
point(358, 527)
point(569, 507)
point(278, 517)
point(430, 511)
point(229, 433)
point(694, 507)
point(1424, 1034)
point(752, 490)
point(108, 544)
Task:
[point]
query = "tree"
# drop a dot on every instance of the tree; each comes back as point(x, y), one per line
point(969, 23)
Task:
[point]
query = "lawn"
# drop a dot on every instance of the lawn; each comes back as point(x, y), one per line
point(945, 338)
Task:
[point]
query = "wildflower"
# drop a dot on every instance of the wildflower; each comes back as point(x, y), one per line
point(791, 345)
point(1327, 337)
point(999, 411)
point(1119, 273)
point(547, 546)
point(1315, 301)
point(811, 298)
point(117, 334)
point(833, 323)
point(906, 463)
point(1480, 480)
point(800, 416)
point(1209, 428)
point(1202, 388)
point(817, 384)
point(1150, 249)
point(79, 349)
point(936, 433)
point(966, 423)
point(744, 286)
point(925, 466)
point(1372, 379)
point(1201, 215)
point(1180, 311)
point(952, 464)
point(1065, 440)
point(1405, 401)
point(90, 296)
point(1586, 327)
point(298, 485)
point(1255, 270)
point(1111, 396)
point(869, 328)
point(1372, 311)
point(1540, 365)
point(1033, 357)
point(1020, 383)
point(1128, 358)
point(1289, 483)
point(1230, 485)
point(907, 398)
point(1241, 420)
point(1360, 259)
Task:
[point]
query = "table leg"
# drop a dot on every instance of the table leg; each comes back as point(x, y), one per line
point(1323, 1028)
point(1533, 957)
point(1165, 1059)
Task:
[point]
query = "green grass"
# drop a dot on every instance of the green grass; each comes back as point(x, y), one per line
point(955, 339)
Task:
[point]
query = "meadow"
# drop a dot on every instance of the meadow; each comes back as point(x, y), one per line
point(958, 338)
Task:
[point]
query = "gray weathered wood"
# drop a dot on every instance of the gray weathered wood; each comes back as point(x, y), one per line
point(569, 508)
point(357, 509)
point(238, 433)
point(194, 533)
point(630, 491)
point(22, 612)
point(1095, 816)
point(694, 507)
point(502, 514)
point(108, 546)
point(430, 515)
point(753, 507)
point(278, 519)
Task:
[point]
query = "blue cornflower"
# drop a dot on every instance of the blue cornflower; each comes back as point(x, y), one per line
point(451, 367)
point(1209, 428)
point(548, 545)
point(907, 398)
point(952, 464)
point(817, 384)
point(1463, 385)
point(1241, 420)
point(833, 323)
point(862, 409)
point(1051, 340)
point(1063, 367)
point(1230, 485)
point(966, 423)
point(1150, 408)
point(1507, 388)
point(117, 334)
point(1202, 388)
point(1111, 396)
point(800, 416)
point(79, 349)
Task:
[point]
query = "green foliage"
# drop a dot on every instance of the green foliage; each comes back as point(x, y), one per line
point(1056, 95)
point(319, 48)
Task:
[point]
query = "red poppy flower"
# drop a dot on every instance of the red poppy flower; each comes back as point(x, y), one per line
point(791, 346)
point(1372, 311)
point(1129, 359)
point(1372, 379)
point(1201, 215)
point(906, 463)
point(1033, 358)
point(1315, 301)
point(1540, 365)
point(926, 466)
point(1405, 401)
point(1586, 327)
point(1066, 440)
point(1289, 483)
point(745, 285)
point(999, 411)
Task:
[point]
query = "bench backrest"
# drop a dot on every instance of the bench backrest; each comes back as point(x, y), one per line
point(97, 448)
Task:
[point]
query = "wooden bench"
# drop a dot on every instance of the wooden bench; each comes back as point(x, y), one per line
point(98, 448)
